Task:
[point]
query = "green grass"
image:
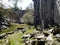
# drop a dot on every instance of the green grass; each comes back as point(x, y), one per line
point(30, 30)
point(16, 38)
point(11, 28)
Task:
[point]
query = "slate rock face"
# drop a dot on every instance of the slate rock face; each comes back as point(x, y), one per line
point(57, 12)
point(47, 10)
point(36, 12)
point(1, 20)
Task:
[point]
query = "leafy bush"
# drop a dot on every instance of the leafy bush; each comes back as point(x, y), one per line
point(28, 17)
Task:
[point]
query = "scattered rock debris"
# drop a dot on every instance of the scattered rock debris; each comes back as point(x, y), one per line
point(41, 38)
point(36, 37)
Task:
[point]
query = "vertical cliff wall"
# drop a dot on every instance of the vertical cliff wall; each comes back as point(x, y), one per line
point(47, 10)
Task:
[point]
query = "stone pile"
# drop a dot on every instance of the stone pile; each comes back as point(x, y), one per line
point(38, 38)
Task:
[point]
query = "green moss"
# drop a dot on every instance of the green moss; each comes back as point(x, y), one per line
point(11, 28)
point(16, 38)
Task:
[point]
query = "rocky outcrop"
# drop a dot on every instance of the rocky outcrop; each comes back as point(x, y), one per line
point(48, 11)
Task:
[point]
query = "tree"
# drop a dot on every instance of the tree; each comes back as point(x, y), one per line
point(28, 17)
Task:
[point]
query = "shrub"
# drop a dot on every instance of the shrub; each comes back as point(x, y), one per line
point(28, 17)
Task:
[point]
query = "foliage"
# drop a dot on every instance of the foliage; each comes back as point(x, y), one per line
point(10, 13)
point(28, 16)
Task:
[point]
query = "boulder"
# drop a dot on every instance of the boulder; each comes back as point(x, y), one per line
point(50, 40)
point(51, 30)
point(56, 31)
point(57, 35)
point(3, 35)
point(4, 27)
point(26, 36)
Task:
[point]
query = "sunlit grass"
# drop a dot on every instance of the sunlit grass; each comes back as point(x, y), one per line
point(16, 38)
point(11, 28)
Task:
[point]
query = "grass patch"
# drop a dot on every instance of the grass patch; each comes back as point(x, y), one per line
point(11, 28)
point(30, 30)
point(16, 38)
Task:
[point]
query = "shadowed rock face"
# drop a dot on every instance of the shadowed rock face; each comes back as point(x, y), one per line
point(1, 19)
point(57, 12)
point(38, 43)
point(56, 31)
point(47, 10)
point(36, 12)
